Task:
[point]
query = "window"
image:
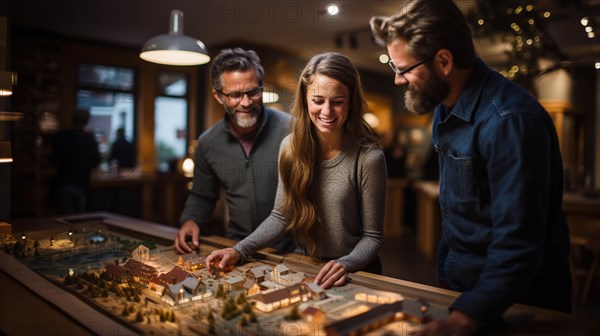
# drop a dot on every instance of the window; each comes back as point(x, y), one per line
point(107, 92)
point(171, 118)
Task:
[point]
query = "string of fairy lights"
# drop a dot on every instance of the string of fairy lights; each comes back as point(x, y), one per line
point(523, 27)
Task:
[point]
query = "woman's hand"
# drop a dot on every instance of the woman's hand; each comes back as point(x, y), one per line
point(221, 259)
point(332, 274)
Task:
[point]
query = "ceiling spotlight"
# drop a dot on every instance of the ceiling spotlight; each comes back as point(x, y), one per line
point(597, 65)
point(333, 9)
point(584, 21)
point(383, 58)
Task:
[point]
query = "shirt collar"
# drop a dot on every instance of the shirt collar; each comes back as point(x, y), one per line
point(467, 102)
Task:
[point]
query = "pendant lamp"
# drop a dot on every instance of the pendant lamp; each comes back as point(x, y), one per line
point(175, 48)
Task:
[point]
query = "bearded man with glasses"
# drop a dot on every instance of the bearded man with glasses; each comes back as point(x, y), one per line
point(504, 239)
point(238, 154)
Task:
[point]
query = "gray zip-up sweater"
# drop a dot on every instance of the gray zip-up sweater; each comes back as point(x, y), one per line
point(249, 182)
point(350, 236)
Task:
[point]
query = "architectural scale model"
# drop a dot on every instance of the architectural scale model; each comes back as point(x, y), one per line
point(160, 292)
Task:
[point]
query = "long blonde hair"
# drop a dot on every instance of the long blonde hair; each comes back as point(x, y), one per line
point(299, 161)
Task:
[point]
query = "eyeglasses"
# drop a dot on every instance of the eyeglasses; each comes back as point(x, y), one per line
point(237, 95)
point(408, 69)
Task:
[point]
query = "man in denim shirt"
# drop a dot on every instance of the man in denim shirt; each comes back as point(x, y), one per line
point(504, 238)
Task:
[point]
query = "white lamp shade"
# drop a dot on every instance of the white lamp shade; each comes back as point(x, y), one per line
point(175, 48)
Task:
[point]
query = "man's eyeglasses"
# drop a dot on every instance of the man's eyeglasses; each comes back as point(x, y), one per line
point(408, 69)
point(237, 95)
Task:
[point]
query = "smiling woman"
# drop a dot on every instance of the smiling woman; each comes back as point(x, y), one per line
point(332, 187)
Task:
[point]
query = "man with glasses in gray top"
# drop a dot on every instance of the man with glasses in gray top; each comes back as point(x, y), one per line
point(237, 154)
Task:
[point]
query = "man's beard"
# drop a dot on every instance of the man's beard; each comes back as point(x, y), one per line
point(242, 120)
point(424, 99)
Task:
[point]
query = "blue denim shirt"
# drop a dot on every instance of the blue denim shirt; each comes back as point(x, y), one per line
point(503, 232)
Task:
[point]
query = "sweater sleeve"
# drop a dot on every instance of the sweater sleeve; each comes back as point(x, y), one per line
point(373, 184)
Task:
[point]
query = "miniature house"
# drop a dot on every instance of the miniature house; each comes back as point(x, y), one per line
point(250, 287)
point(280, 298)
point(117, 273)
point(316, 292)
point(233, 283)
point(140, 272)
point(190, 261)
point(278, 271)
point(407, 310)
point(377, 296)
point(190, 289)
point(141, 253)
point(368, 321)
point(172, 277)
point(259, 273)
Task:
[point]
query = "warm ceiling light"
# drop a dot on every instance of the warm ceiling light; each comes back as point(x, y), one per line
point(333, 9)
point(270, 97)
point(584, 21)
point(188, 167)
point(5, 152)
point(384, 59)
point(597, 65)
point(175, 48)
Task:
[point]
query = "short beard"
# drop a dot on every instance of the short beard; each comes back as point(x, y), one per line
point(423, 100)
point(242, 121)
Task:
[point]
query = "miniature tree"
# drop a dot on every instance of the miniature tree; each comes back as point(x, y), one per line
point(139, 317)
point(241, 298)
point(253, 317)
point(243, 321)
point(125, 311)
point(172, 316)
point(210, 317)
point(247, 308)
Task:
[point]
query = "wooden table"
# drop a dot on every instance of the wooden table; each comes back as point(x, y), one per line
point(32, 305)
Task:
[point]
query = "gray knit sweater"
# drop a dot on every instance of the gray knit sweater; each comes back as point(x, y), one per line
point(341, 236)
